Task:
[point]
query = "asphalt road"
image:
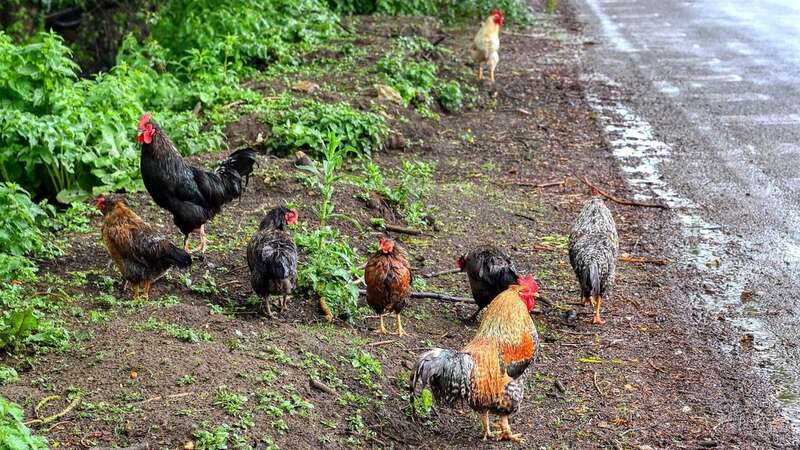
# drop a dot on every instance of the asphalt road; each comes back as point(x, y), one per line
point(715, 87)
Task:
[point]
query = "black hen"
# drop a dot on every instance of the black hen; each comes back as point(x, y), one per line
point(192, 195)
point(272, 257)
point(593, 251)
point(490, 272)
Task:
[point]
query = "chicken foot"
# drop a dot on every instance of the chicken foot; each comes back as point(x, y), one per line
point(382, 329)
point(146, 288)
point(487, 428)
point(269, 308)
point(597, 303)
point(400, 331)
point(203, 241)
point(505, 433)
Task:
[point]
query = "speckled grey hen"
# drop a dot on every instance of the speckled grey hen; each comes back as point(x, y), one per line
point(593, 251)
point(272, 257)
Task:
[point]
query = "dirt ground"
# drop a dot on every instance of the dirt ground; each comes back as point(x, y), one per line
point(652, 377)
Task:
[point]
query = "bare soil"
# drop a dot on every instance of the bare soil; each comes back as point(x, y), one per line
point(653, 375)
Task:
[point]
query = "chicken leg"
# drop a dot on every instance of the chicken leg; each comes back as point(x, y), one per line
point(135, 288)
point(597, 303)
point(480, 71)
point(400, 331)
point(505, 433)
point(487, 428)
point(382, 329)
point(203, 240)
point(269, 308)
point(492, 65)
point(146, 289)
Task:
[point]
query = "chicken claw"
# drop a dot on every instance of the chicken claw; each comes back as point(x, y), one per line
point(382, 329)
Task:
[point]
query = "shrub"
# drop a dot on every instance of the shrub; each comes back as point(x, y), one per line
point(412, 79)
point(330, 265)
point(450, 96)
point(408, 190)
point(22, 320)
point(309, 126)
point(16, 436)
point(515, 10)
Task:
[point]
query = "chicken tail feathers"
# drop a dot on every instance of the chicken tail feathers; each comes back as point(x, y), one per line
point(446, 372)
point(593, 280)
point(178, 257)
point(237, 166)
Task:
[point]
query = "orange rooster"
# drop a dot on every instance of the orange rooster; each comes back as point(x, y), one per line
point(388, 278)
point(141, 254)
point(489, 372)
point(486, 44)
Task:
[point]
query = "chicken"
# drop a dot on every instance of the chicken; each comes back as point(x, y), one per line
point(490, 272)
point(486, 44)
point(272, 257)
point(192, 195)
point(593, 251)
point(489, 372)
point(141, 255)
point(388, 277)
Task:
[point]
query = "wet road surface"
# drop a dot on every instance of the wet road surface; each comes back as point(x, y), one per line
point(711, 125)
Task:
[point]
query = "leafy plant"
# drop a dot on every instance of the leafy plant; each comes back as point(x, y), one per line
point(312, 124)
point(516, 11)
point(412, 79)
point(366, 366)
point(450, 96)
point(185, 334)
point(330, 266)
point(420, 405)
point(22, 320)
point(8, 375)
point(230, 401)
point(16, 436)
point(216, 439)
point(406, 191)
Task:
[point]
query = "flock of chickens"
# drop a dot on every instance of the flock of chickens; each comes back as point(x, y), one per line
point(488, 373)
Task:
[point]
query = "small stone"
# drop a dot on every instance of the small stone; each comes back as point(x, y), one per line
point(386, 92)
point(305, 86)
point(686, 409)
point(188, 446)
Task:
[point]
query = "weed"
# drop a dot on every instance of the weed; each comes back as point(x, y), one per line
point(555, 240)
point(185, 334)
point(22, 322)
point(279, 356)
point(215, 439)
point(206, 286)
point(420, 405)
point(230, 401)
point(450, 96)
point(366, 366)
point(186, 380)
point(267, 376)
point(15, 434)
point(550, 6)
point(8, 375)
point(409, 187)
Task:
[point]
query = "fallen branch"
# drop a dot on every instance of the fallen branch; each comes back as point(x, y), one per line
point(644, 260)
point(532, 184)
point(525, 216)
point(653, 365)
point(142, 446)
point(597, 386)
point(442, 272)
point(431, 295)
point(621, 201)
point(161, 397)
point(379, 343)
point(320, 386)
point(56, 416)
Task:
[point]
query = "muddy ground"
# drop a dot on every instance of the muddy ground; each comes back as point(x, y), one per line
point(652, 376)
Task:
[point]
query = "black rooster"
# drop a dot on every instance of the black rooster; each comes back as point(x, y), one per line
point(192, 195)
point(272, 256)
point(490, 272)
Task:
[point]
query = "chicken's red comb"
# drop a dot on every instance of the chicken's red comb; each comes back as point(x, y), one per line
point(528, 283)
point(144, 120)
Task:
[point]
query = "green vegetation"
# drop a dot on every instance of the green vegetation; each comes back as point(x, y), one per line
point(450, 12)
point(22, 322)
point(185, 334)
point(16, 436)
point(311, 124)
point(406, 193)
point(366, 366)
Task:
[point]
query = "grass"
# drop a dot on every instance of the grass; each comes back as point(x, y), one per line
point(181, 333)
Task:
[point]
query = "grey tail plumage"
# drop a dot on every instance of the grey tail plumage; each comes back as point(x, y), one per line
point(446, 372)
point(593, 275)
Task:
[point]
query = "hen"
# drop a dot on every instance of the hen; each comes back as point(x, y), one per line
point(489, 372)
point(593, 251)
point(490, 272)
point(140, 254)
point(486, 44)
point(192, 195)
point(388, 278)
point(272, 256)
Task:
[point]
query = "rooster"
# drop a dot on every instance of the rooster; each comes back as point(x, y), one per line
point(486, 44)
point(593, 250)
point(489, 372)
point(490, 272)
point(140, 254)
point(192, 195)
point(272, 256)
point(388, 278)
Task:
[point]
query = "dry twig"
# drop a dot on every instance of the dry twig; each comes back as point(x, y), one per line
point(621, 201)
point(441, 272)
point(644, 260)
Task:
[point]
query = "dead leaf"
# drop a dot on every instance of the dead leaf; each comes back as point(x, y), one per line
point(305, 86)
point(386, 92)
